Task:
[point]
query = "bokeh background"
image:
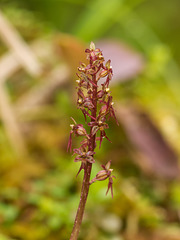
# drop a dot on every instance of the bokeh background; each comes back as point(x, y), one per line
point(41, 45)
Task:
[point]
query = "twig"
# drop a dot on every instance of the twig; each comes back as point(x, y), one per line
point(21, 50)
point(41, 92)
point(10, 123)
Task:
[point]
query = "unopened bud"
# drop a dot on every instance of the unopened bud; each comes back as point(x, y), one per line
point(81, 131)
point(82, 65)
point(96, 62)
point(103, 110)
point(92, 46)
point(81, 69)
point(104, 73)
point(107, 90)
point(102, 175)
point(107, 166)
point(108, 64)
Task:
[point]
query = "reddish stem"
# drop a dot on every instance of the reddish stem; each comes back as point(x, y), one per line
point(87, 171)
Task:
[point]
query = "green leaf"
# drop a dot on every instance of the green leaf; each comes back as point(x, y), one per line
point(97, 19)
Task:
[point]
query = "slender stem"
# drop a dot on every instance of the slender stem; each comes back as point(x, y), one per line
point(87, 172)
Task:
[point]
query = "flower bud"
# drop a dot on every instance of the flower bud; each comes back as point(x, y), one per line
point(82, 67)
point(107, 65)
point(100, 94)
point(103, 73)
point(102, 175)
point(94, 130)
point(107, 166)
point(81, 131)
point(103, 110)
point(92, 46)
point(96, 62)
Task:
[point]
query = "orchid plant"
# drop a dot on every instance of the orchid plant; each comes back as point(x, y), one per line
point(95, 102)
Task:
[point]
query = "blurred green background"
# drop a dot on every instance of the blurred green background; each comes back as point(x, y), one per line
point(39, 191)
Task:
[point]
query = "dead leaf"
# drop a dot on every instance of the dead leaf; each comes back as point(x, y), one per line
point(153, 153)
point(126, 63)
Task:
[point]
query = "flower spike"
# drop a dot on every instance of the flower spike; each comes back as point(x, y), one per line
point(95, 102)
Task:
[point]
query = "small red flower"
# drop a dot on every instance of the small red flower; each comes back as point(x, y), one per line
point(99, 125)
point(107, 109)
point(103, 92)
point(84, 156)
point(78, 130)
point(104, 174)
